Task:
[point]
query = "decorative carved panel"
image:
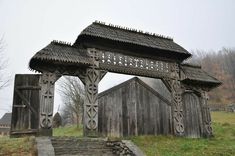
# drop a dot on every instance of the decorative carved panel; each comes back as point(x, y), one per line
point(177, 106)
point(206, 115)
point(47, 99)
point(92, 78)
point(116, 62)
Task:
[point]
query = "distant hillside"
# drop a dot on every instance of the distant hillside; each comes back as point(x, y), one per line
point(220, 64)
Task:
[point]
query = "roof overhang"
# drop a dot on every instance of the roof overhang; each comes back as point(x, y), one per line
point(59, 54)
point(99, 35)
point(193, 75)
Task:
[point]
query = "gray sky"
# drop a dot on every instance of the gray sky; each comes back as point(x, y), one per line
point(28, 26)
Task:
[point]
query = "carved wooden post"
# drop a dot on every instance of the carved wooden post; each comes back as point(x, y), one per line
point(92, 78)
point(46, 103)
point(177, 105)
point(206, 116)
point(91, 102)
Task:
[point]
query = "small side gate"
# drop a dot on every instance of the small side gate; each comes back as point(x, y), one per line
point(193, 115)
point(25, 110)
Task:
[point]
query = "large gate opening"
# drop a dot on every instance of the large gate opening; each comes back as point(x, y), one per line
point(68, 103)
point(137, 106)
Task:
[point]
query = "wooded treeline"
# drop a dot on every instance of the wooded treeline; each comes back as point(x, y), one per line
point(220, 64)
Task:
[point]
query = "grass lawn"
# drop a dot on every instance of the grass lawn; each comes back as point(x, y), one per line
point(17, 146)
point(223, 117)
point(222, 144)
point(68, 131)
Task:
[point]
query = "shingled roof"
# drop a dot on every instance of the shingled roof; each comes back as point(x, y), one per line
point(133, 37)
point(60, 52)
point(195, 75)
point(98, 34)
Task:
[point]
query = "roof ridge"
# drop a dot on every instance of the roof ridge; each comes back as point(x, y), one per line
point(133, 30)
point(154, 91)
point(62, 43)
point(142, 83)
point(192, 65)
point(117, 86)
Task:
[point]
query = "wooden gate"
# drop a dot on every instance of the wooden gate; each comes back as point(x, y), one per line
point(193, 115)
point(25, 110)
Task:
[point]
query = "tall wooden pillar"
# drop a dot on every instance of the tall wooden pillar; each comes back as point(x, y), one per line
point(46, 103)
point(206, 116)
point(91, 102)
point(92, 78)
point(177, 105)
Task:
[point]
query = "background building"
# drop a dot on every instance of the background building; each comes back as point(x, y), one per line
point(5, 124)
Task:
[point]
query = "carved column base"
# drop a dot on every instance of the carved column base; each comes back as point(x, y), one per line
point(90, 133)
point(206, 116)
point(45, 132)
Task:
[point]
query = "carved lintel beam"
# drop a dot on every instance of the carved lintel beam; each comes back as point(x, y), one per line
point(72, 71)
point(47, 82)
point(206, 116)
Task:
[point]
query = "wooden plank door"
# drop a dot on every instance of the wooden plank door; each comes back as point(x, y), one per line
point(25, 109)
point(192, 115)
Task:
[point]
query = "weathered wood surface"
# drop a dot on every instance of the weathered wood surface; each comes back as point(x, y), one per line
point(47, 83)
point(193, 115)
point(127, 111)
point(133, 108)
point(25, 110)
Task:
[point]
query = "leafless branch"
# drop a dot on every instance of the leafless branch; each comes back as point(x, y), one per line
point(4, 77)
point(72, 93)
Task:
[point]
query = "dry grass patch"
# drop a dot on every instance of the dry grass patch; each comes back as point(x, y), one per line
point(17, 146)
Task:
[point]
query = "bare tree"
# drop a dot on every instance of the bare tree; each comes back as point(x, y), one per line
point(72, 91)
point(4, 78)
point(221, 65)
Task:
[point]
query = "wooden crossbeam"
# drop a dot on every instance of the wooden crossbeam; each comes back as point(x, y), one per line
point(28, 87)
point(25, 101)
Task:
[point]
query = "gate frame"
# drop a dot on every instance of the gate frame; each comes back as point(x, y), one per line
point(94, 54)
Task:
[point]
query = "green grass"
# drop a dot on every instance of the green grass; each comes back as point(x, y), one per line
point(223, 117)
point(222, 144)
point(68, 131)
point(17, 146)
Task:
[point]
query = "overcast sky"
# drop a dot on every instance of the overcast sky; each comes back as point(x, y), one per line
point(29, 25)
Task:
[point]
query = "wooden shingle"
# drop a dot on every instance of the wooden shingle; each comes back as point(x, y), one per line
point(194, 75)
point(60, 53)
point(139, 42)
